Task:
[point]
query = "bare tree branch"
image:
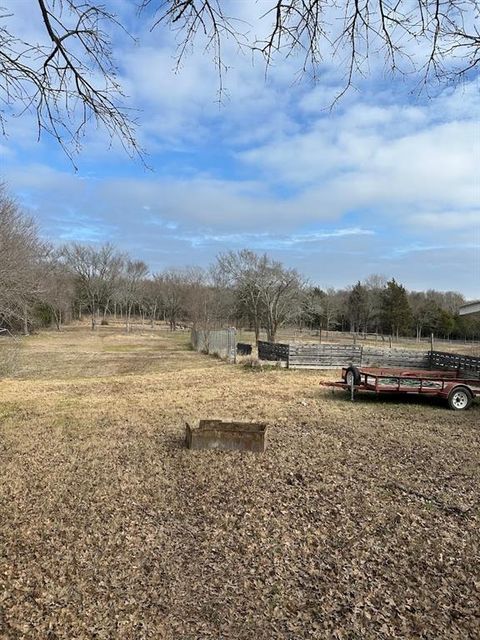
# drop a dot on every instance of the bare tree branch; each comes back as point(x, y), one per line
point(70, 82)
point(437, 38)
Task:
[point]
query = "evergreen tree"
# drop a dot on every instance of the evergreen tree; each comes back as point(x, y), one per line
point(396, 311)
point(357, 307)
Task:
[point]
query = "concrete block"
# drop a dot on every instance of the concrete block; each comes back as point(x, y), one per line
point(226, 436)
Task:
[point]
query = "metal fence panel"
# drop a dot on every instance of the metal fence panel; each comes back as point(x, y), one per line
point(219, 342)
point(273, 351)
point(466, 365)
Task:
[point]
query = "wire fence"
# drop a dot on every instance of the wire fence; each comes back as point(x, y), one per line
point(218, 342)
point(9, 352)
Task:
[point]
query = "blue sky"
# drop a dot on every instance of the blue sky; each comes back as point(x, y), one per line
point(387, 182)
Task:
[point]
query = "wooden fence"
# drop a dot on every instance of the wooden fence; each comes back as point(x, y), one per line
point(374, 357)
point(323, 356)
point(334, 356)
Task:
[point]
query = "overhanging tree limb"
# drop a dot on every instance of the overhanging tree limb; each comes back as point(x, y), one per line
point(70, 79)
point(70, 82)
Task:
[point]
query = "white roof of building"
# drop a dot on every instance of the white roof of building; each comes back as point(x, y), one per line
point(469, 308)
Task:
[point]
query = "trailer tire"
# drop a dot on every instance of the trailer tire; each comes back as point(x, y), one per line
point(460, 398)
point(352, 373)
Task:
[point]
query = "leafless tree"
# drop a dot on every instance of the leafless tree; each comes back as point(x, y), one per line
point(58, 289)
point(70, 77)
point(281, 295)
point(243, 271)
point(201, 299)
point(173, 285)
point(151, 302)
point(436, 38)
point(374, 285)
point(21, 256)
point(450, 301)
point(130, 286)
point(269, 291)
point(96, 272)
point(322, 307)
point(331, 306)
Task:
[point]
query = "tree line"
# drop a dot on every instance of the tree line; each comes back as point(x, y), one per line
point(42, 285)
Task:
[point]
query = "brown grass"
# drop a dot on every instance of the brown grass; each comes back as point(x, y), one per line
point(359, 521)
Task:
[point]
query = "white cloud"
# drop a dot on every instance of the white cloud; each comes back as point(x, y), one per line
point(270, 167)
point(449, 220)
point(268, 241)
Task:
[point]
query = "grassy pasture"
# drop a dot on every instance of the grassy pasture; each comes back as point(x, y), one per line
point(359, 521)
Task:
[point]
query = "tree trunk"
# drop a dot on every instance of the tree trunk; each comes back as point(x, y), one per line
point(128, 313)
point(152, 317)
point(25, 320)
point(93, 311)
point(271, 334)
point(257, 333)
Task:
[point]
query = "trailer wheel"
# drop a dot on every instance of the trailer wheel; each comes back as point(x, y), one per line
point(460, 398)
point(352, 374)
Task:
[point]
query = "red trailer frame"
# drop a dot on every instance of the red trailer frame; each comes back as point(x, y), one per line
point(459, 392)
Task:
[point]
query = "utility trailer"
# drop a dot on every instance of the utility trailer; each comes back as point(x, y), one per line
point(459, 392)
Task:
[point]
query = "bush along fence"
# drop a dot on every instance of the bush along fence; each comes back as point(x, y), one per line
point(326, 356)
point(218, 342)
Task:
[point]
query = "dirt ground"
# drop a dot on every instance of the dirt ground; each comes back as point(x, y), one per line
point(359, 520)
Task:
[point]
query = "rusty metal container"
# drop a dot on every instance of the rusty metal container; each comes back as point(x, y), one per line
point(226, 435)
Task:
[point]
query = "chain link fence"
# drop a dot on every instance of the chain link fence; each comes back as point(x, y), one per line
point(9, 353)
point(218, 342)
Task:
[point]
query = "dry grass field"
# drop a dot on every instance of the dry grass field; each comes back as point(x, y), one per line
point(359, 521)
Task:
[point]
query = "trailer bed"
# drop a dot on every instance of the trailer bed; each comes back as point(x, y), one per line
point(458, 391)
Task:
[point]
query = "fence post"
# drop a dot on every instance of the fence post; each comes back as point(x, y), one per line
point(288, 357)
point(232, 345)
point(431, 341)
